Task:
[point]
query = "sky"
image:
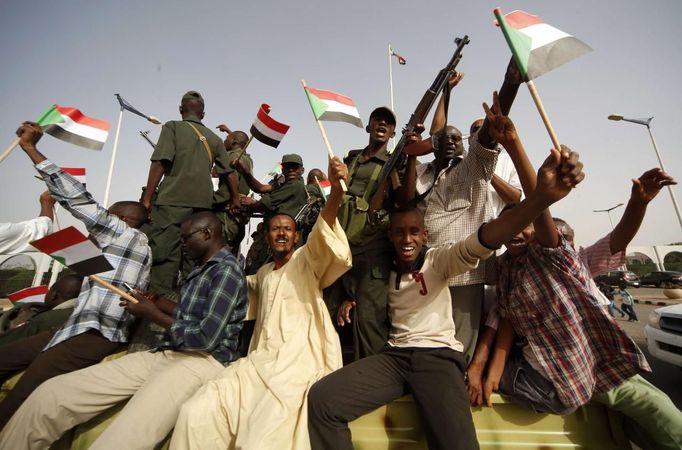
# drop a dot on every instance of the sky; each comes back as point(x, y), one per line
point(241, 54)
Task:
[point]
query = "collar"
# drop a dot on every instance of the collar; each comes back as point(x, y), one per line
point(219, 256)
point(194, 119)
point(415, 267)
point(381, 155)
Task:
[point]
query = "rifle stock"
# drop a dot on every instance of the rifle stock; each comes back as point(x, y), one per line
point(417, 117)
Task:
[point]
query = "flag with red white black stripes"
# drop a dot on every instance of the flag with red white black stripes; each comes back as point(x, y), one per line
point(266, 129)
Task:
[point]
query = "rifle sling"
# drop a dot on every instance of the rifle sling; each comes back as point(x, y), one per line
point(203, 140)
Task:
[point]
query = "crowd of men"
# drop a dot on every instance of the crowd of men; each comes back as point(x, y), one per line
point(415, 294)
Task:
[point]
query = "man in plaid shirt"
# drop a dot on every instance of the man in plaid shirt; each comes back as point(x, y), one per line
point(98, 325)
point(201, 338)
point(570, 349)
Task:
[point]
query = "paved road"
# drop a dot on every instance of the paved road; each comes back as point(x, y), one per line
point(665, 376)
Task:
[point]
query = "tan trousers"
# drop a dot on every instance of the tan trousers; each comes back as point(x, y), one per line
point(157, 385)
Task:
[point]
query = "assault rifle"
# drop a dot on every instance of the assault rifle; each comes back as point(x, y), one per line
point(417, 118)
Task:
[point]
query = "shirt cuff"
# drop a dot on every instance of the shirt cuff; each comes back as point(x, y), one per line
point(482, 242)
point(47, 167)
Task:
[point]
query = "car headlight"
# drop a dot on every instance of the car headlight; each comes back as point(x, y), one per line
point(654, 318)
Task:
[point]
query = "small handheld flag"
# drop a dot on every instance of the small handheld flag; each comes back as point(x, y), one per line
point(330, 106)
point(71, 125)
point(128, 107)
point(325, 187)
point(266, 129)
point(73, 249)
point(537, 47)
point(34, 294)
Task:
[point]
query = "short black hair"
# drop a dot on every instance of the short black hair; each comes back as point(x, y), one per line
point(402, 210)
point(269, 217)
point(134, 211)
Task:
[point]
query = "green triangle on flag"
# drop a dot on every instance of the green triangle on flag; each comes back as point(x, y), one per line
point(51, 116)
point(60, 259)
point(318, 106)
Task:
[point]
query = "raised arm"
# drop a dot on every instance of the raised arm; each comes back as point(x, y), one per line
point(507, 192)
point(337, 171)
point(644, 189)
point(507, 94)
point(439, 116)
point(502, 129)
point(254, 184)
point(70, 192)
point(560, 173)
point(47, 205)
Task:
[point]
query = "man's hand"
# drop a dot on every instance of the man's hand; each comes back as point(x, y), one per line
point(147, 203)
point(222, 127)
point(29, 134)
point(146, 308)
point(500, 127)
point(46, 200)
point(337, 171)
point(455, 78)
point(246, 201)
point(343, 314)
point(415, 135)
point(235, 206)
point(647, 187)
point(490, 385)
point(238, 166)
point(560, 173)
point(474, 384)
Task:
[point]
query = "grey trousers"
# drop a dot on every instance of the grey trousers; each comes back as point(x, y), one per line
point(434, 376)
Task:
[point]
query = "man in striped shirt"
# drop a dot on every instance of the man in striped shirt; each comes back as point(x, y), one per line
point(98, 325)
point(201, 338)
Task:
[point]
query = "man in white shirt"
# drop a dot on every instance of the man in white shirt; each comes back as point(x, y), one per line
point(15, 237)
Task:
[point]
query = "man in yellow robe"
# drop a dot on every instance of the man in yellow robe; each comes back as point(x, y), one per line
point(259, 402)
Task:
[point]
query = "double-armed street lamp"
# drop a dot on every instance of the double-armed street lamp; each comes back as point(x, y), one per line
point(647, 124)
point(608, 211)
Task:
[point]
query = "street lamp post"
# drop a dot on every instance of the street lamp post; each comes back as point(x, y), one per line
point(608, 211)
point(647, 124)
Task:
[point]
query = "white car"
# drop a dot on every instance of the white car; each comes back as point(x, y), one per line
point(664, 334)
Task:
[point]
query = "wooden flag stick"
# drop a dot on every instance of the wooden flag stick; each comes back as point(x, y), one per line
point(543, 114)
point(111, 287)
point(330, 153)
point(244, 148)
point(9, 149)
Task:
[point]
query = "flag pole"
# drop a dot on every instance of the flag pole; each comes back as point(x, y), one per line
point(113, 159)
point(390, 84)
point(9, 149)
point(111, 287)
point(390, 74)
point(18, 138)
point(543, 114)
point(330, 153)
point(244, 148)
